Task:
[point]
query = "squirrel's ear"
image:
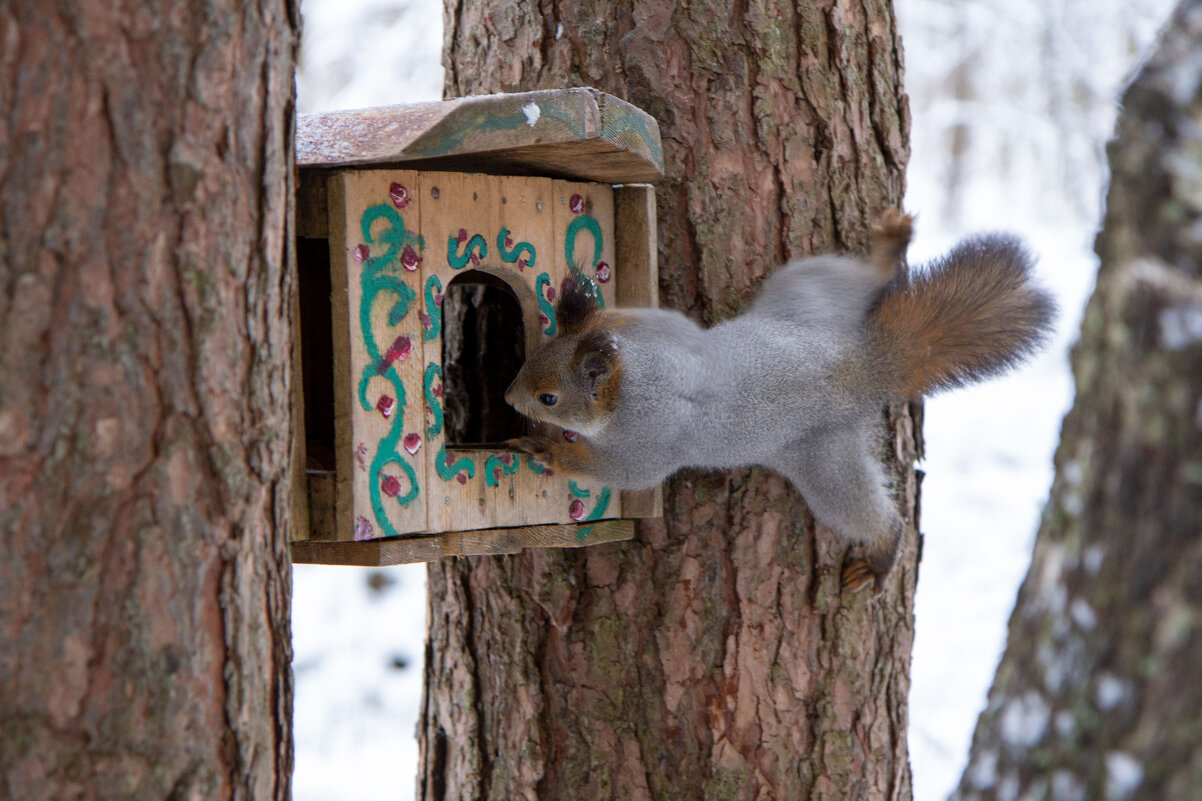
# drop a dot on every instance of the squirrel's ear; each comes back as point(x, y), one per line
point(595, 359)
point(577, 304)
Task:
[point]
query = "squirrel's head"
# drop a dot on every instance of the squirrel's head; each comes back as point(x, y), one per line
point(573, 381)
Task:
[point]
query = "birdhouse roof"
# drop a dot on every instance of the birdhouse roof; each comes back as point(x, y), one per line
point(572, 133)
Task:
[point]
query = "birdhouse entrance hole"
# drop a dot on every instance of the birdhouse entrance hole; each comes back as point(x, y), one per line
point(483, 347)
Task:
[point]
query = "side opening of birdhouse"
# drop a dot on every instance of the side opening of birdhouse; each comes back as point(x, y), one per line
point(427, 268)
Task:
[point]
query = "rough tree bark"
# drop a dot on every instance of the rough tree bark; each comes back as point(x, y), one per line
point(1097, 696)
point(145, 426)
point(712, 657)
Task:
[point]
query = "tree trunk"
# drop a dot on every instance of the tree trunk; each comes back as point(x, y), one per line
point(714, 656)
point(1097, 696)
point(145, 424)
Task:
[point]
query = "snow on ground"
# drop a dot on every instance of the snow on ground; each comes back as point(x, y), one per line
point(1011, 101)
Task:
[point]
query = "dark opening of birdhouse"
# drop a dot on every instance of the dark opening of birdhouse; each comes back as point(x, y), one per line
point(317, 350)
point(483, 347)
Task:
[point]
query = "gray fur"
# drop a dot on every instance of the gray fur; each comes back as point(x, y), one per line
point(798, 382)
point(775, 386)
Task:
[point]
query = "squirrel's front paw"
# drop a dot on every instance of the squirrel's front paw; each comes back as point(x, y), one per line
point(539, 448)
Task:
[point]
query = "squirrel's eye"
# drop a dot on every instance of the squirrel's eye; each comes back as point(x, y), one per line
point(547, 399)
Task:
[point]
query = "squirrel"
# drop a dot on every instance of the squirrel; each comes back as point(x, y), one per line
point(796, 384)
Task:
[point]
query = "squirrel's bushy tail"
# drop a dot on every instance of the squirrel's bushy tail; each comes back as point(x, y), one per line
point(971, 314)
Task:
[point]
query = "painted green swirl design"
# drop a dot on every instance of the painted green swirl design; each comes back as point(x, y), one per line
point(445, 471)
point(495, 467)
point(541, 284)
point(575, 266)
point(433, 309)
point(458, 260)
point(378, 276)
point(448, 471)
point(511, 256)
point(433, 371)
point(569, 243)
point(599, 509)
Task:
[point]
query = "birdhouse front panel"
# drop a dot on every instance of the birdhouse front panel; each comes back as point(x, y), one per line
point(448, 280)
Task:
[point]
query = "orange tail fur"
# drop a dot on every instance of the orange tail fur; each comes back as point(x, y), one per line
point(971, 314)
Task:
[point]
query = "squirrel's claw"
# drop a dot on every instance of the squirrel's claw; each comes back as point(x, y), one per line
point(858, 575)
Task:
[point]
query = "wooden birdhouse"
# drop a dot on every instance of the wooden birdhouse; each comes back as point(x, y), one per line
point(432, 240)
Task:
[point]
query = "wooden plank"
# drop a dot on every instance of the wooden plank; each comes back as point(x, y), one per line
point(319, 490)
point(342, 519)
point(581, 133)
point(637, 285)
point(376, 248)
point(637, 246)
point(396, 551)
point(506, 225)
point(584, 233)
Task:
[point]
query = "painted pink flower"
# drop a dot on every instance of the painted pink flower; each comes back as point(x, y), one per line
point(409, 258)
point(363, 529)
point(391, 485)
point(462, 235)
point(385, 406)
point(399, 195)
point(399, 350)
point(412, 442)
point(361, 254)
point(576, 204)
point(361, 455)
point(461, 478)
point(576, 509)
point(603, 272)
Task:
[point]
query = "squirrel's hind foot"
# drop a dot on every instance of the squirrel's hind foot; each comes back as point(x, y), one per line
point(857, 576)
point(877, 564)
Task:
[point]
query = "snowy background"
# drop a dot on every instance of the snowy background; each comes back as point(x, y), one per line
point(1012, 103)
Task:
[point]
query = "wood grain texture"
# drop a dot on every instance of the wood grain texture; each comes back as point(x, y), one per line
point(1096, 695)
point(713, 656)
point(493, 541)
point(578, 133)
point(380, 253)
point(146, 296)
point(637, 285)
point(391, 261)
point(463, 217)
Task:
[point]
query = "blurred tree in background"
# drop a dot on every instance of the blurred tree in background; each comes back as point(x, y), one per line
point(1097, 695)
